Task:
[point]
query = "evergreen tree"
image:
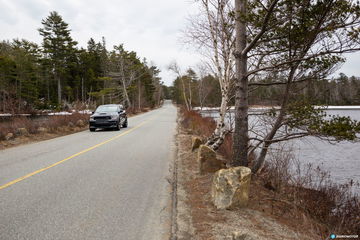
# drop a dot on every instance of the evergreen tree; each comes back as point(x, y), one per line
point(58, 47)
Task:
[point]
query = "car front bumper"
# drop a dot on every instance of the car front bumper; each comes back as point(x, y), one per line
point(103, 124)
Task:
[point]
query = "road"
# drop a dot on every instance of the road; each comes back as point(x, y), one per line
point(101, 185)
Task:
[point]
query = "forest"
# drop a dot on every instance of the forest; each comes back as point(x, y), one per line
point(60, 75)
point(205, 91)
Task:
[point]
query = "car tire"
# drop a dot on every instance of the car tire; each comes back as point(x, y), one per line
point(125, 124)
point(117, 128)
point(92, 129)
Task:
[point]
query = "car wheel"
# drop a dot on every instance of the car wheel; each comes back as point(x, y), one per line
point(117, 128)
point(92, 129)
point(125, 124)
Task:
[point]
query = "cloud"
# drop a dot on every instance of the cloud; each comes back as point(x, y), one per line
point(151, 28)
point(31, 9)
point(351, 66)
point(7, 11)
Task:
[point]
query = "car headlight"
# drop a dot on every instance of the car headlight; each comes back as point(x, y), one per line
point(91, 118)
point(114, 117)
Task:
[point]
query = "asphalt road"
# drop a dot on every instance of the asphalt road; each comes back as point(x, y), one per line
point(91, 185)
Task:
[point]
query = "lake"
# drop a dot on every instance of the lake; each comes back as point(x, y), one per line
point(342, 159)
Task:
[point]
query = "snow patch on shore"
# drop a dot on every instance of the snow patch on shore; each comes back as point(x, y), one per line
point(263, 108)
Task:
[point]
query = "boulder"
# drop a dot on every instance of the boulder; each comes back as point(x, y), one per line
point(71, 124)
point(9, 136)
point(22, 132)
point(195, 143)
point(230, 187)
point(207, 161)
point(61, 129)
point(241, 236)
point(80, 123)
point(42, 130)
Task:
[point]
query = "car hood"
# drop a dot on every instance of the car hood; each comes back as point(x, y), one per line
point(101, 114)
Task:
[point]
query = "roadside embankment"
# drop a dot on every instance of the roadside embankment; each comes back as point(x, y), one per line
point(280, 205)
point(23, 129)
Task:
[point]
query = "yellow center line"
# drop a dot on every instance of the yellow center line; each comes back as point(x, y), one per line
point(68, 158)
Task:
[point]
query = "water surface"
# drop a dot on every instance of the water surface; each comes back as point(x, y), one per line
point(341, 159)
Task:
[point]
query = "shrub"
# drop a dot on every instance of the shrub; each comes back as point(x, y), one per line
point(334, 206)
point(192, 121)
point(50, 122)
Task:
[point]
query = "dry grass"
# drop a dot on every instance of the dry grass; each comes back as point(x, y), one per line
point(52, 124)
point(193, 122)
point(333, 207)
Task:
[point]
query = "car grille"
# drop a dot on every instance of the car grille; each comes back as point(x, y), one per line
point(102, 118)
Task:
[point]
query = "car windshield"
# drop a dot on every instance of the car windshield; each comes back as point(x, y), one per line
point(107, 109)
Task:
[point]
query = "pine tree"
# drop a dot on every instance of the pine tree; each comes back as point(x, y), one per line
point(58, 47)
point(26, 55)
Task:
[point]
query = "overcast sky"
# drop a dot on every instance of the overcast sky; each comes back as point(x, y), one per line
point(152, 28)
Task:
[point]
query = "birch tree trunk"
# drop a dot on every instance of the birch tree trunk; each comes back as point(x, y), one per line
point(124, 82)
point(220, 132)
point(215, 31)
point(190, 95)
point(126, 95)
point(188, 107)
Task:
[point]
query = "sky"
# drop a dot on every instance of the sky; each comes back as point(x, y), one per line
point(153, 28)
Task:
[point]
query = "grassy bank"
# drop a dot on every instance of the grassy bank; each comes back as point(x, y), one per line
point(300, 197)
point(20, 130)
point(24, 130)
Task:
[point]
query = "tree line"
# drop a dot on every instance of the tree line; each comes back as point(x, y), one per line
point(206, 92)
point(57, 73)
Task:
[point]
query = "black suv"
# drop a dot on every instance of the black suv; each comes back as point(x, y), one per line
point(111, 116)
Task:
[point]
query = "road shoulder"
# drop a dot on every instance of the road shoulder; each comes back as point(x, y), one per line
point(198, 219)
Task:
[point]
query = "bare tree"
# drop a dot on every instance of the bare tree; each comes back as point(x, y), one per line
point(204, 89)
point(186, 90)
point(126, 69)
point(212, 31)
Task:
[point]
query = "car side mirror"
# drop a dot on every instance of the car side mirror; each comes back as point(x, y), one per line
point(92, 112)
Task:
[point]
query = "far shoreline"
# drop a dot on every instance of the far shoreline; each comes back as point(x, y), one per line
point(260, 107)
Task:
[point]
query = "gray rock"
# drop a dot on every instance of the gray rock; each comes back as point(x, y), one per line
point(61, 129)
point(71, 124)
point(9, 136)
point(42, 130)
point(80, 123)
point(22, 132)
point(195, 143)
point(230, 187)
point(207, 161)
point(242, 236)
